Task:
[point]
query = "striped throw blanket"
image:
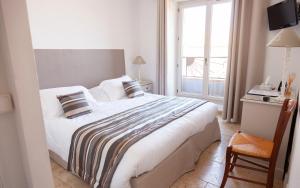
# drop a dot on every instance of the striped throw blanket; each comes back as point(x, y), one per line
point(97, 148)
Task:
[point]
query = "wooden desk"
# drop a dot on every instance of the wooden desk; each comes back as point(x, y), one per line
point(260, 118)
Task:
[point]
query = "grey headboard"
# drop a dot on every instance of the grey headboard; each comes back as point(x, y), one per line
point(87, 67)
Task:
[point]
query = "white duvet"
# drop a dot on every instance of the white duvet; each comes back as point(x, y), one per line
point(145, 154)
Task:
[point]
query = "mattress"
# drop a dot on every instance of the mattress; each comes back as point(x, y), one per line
point(140, 158)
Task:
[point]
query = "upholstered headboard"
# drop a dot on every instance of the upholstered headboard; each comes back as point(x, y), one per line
point(87, 67)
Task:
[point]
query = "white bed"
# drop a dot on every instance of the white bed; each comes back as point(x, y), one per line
point(138, 159)
point(170, 151)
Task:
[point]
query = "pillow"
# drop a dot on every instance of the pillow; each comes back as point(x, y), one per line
point(114, 88)
point(74, 104)
point(99, 94)
point(133, 89)
point(50, 104)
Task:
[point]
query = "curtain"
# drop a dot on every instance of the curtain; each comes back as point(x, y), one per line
point(237, 61)
point(247, 54)
point(161, 67)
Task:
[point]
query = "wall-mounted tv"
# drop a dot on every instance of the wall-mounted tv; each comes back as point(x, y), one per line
point(283, 14)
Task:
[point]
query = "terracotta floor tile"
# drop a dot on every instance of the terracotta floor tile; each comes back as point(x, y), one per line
point(60, 184)
point(66, 177)
point(189, 180)
point(216, 157)
point(209, 185)
point(210, 171)
point(218, 148)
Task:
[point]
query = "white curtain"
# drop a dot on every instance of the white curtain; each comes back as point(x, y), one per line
point(161, 70)
point(247, 54)
point(237, 60)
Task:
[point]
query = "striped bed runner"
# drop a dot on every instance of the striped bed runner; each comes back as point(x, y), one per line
point(97, 148)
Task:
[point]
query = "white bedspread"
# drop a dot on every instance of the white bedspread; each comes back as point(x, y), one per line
point(145, 154)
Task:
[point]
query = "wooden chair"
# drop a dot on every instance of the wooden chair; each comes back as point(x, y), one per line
point(242, 144)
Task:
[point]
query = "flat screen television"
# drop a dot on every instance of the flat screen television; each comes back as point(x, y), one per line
point(283, 14)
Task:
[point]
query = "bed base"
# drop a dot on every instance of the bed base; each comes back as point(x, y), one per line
point(181, 161)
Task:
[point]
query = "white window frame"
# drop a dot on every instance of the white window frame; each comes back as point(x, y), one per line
point(208, 4)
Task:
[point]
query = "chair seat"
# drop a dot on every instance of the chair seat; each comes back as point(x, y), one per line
point(246, 144)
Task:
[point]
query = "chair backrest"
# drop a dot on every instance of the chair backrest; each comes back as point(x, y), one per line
point(286, 111)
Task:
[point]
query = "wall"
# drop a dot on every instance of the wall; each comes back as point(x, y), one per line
point(258, 33)
point(275, 57)
point(10, 152)
point(132, 25)
point(103, 24)
point(148, 41)
point(23, 149)
point(148, 37)
point(88, 24)
point(273, 68)
point(294, 169)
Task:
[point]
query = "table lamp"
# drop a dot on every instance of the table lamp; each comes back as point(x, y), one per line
point(139, 61)
point(288, 39)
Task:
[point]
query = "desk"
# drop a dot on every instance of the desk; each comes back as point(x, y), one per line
point(260, 119)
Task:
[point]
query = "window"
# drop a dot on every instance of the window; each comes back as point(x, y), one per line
point(204, 33)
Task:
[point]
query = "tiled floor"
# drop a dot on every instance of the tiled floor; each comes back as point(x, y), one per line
point(208, 172)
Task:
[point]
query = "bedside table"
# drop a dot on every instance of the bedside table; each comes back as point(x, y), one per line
point(146, 85)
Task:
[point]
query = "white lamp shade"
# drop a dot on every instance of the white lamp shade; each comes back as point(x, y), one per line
point(287, 38)
point(139, 60)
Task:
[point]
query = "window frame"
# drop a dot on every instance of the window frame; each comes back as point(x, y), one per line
point(207, 47)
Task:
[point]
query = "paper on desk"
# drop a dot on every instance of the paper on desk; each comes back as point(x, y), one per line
point(272, 93)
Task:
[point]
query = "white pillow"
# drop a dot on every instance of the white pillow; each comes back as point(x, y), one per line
point(50, 104)
point(99, 94)
point(114, 87)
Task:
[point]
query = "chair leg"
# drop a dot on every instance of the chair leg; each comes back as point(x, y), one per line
point(227, 166)
point(235, 156)
point(271, 172)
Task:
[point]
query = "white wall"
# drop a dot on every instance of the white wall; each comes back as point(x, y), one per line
point(273, 68)
point(148, 37)
point(129, 25)
point(10, 150)
point(257, 41)
point(275, 58)
point(100, 24)
point(294, 169)
point(88, 24)
point(23, 149)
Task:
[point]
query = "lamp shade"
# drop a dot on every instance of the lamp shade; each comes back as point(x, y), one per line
point(139, 60)
point(287, 38)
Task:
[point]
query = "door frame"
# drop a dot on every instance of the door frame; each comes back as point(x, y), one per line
point(194, 3)
point(27, 116)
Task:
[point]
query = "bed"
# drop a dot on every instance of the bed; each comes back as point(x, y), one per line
point(155, 160)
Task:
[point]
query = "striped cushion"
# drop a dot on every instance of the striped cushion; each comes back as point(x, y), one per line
point(133, 89)
point(74, 104)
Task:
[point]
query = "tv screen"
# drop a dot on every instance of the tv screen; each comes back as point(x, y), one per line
point(283, 14)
